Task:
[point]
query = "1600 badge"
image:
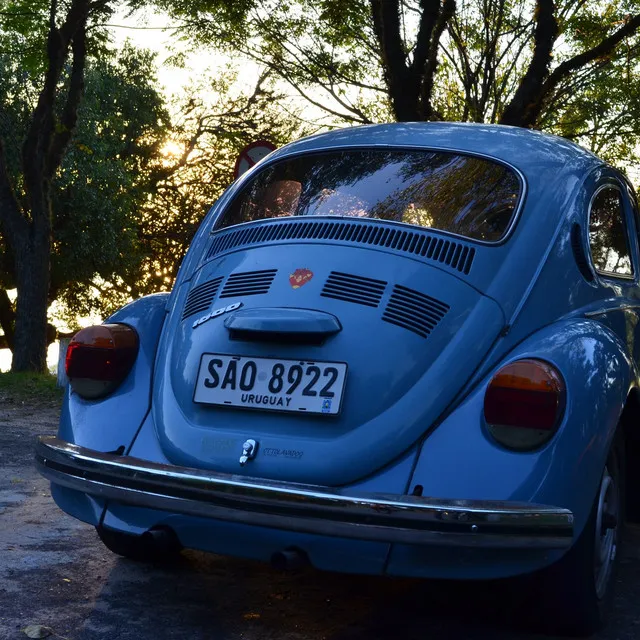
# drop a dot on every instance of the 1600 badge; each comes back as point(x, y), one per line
point(271, 384)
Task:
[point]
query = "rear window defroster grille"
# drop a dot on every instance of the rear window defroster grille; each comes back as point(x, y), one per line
point(414, 311)
point(358, 289)
point(249, 283)
point(201, 297)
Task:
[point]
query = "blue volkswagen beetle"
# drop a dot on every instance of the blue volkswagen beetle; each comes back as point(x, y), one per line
point(402, 349)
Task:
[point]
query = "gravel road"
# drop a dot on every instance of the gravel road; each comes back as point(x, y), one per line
point(54, 572)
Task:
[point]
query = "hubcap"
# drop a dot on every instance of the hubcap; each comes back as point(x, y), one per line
point(606, 533)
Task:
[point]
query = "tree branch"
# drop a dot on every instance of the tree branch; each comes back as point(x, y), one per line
point(465, 73)
point(505, 86)
point(599, 51)
point(356, 115)
point(491, 59)
point(69, 116)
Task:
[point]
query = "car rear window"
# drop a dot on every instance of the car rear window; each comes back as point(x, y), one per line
point(461, 194)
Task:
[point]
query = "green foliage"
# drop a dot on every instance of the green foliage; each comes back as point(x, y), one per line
point(29, 387)
point(23, 30)
point(599, 106)
point(325, 50)
point(140, 174)
point(104, 184)
point(136, 181)
point(24, 25)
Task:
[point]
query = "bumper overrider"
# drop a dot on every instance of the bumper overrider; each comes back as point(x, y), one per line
point(303, 508)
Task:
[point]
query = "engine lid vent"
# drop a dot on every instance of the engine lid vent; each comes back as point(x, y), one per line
point(414, 311)
point(350, 288)
point(201, 297)
point(430, 246)
point(249, 283)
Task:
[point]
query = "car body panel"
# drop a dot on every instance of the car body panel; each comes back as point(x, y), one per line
point(254, 542)
point(112, 422)
point(566, 471)
point(90, 423)
point(78, 504)
point(412, 418)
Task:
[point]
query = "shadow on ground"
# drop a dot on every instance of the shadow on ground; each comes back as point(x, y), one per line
point(206, 596)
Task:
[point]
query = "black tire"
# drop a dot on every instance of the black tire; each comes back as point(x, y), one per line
point(144, 548)
point(576, 593)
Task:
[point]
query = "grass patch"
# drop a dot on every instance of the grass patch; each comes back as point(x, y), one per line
point(30, 387)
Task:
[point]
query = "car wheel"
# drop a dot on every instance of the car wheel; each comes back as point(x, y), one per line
point(576, 593)
point(153, 546)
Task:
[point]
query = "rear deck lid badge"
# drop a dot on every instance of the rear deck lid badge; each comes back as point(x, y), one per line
point(217, 312)
point(300, 277)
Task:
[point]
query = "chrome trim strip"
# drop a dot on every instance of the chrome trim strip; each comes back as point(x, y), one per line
point(604, 309)
point(303, 508)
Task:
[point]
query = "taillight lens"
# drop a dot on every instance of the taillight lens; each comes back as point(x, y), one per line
point(524, 404)
point(99, 358)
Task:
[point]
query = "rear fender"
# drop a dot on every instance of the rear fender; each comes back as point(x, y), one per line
point(460, 459)
point(111, 423)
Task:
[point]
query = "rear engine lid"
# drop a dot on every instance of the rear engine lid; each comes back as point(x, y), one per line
point(389, 340)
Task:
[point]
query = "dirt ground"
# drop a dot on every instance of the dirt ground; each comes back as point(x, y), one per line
point(54, 572)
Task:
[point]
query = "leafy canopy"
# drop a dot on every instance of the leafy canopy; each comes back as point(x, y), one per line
point(568, 67)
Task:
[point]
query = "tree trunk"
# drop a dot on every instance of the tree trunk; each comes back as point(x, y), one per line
point(410, 85)
point(525, 106)
point(32, 276)
point(403, 93)
point(26, 222)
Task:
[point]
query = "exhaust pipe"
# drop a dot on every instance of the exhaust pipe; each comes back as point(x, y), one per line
point(162, 539)
point(289, 560)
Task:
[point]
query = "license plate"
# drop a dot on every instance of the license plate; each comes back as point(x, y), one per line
point(271, 384)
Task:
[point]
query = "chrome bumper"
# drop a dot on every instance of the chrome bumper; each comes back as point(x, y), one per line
point(303, 508)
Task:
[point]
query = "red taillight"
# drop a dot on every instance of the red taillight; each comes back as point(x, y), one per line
point(524, 404)
point(99, 358)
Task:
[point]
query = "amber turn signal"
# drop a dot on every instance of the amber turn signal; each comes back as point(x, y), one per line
point(99, 358)
point(524, 404)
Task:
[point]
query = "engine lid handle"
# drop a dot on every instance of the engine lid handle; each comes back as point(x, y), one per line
point(282, 324)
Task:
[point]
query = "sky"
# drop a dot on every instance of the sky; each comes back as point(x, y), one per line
point(152, 30)
point(149, 30)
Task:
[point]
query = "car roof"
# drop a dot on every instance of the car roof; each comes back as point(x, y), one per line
point(525, 149)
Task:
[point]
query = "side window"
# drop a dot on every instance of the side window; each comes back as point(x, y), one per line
point(608, 234)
